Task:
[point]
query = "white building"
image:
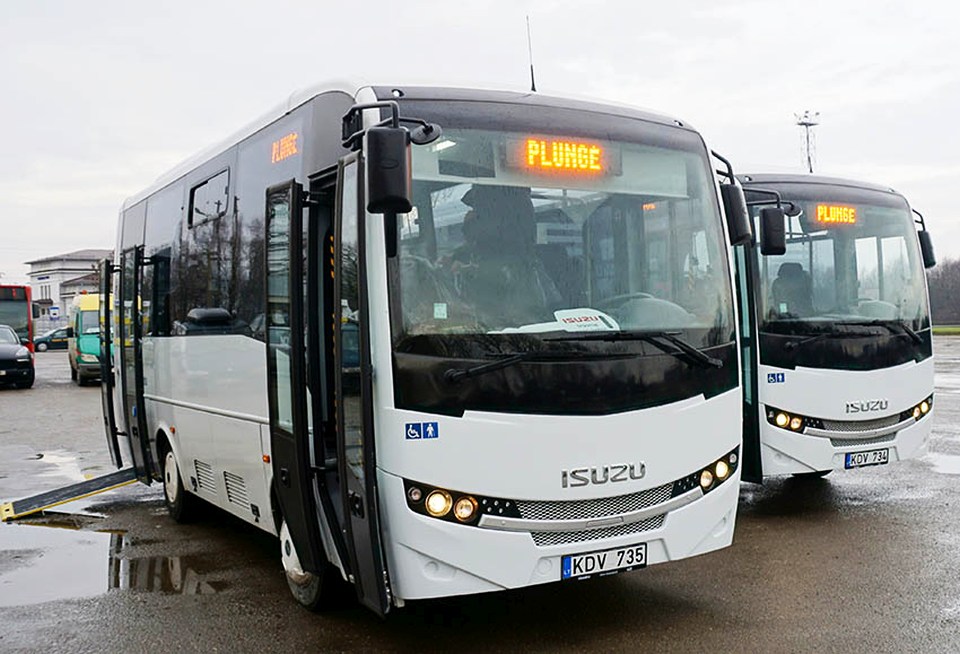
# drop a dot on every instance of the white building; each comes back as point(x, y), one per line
point(54, 281)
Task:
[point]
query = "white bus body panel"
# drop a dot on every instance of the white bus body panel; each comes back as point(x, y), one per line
point(208, 395)
point(824, 393)
point(521, 457)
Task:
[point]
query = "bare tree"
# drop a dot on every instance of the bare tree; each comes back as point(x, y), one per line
point(944, 283)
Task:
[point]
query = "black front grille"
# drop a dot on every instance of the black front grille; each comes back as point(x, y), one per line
point(11, 364)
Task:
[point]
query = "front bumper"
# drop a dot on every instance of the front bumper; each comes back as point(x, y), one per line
point(428, 558)
point(784, 452)
point(16, 374)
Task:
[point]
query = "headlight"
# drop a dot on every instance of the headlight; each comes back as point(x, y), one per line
point(455, 506)
point(465, 508)
point(711, 476)
point(785, 420)
point(23, 354)
point(918, 411)
point(438, 503)
point(89, 358)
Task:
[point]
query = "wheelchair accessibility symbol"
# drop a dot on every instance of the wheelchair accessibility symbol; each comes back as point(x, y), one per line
point(421, 430)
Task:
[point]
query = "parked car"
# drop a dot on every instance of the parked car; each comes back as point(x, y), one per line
point(55, 339)
point(16, 361)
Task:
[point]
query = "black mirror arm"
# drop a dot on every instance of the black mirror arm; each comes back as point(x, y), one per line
point(728, 173)
point(920, 221)
point(352, 121)
point(353, 131)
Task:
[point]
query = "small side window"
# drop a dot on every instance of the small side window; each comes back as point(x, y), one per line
point(208, 200)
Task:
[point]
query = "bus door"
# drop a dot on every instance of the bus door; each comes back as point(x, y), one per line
point(353, 393)
point(107, 382)
point(290, 437)
point(747, 287)
point(316, 410)
point(131, 362)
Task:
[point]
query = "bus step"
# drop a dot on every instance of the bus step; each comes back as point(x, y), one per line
point(50, 499)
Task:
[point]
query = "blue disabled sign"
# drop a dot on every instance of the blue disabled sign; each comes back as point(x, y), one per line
point(419, 430)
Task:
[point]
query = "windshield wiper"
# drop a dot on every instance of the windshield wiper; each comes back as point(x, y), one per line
point(697, 355)
point(511, 358)
point(907, 331)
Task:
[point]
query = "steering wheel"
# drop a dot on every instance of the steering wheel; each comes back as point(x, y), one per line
point(617, 300)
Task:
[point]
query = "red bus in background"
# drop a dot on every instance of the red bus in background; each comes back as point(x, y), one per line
point(16, 310)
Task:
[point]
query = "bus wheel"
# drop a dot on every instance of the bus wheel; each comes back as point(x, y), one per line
point(179, 503)
point(314, 592)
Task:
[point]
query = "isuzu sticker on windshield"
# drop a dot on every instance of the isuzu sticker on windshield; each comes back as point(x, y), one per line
point(585, 320)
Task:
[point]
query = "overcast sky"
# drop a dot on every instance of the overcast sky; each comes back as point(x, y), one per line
point(100, 98)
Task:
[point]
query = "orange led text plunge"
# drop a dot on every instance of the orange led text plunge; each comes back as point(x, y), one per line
point(836, 214)
point(564, 155)
point(285, 148)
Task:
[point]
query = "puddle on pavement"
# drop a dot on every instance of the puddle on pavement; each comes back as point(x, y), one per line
point(944, 464)
point(58, 561)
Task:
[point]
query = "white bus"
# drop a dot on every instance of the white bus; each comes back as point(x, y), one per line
point(835, 328)
point(438, 341)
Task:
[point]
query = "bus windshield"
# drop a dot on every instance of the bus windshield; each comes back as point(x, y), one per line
point(847, 262)
point(512, 233)
point(15, 310)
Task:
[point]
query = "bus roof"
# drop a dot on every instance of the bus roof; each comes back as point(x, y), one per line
point(750, 179)
point(301, 97)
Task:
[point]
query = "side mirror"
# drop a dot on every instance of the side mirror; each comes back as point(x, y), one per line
point(773, 234)
point(926, 249)
point(69, 332)
point(735, 208)
point(389, 184)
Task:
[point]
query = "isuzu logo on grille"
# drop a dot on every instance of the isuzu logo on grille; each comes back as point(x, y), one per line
point(867, 405)
point(602, 474)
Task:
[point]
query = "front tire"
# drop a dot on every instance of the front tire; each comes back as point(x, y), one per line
point(180, 504)
point(41, 347)
point(315, 592)
point(73, 374)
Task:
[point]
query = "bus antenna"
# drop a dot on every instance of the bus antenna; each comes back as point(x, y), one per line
point(533, 80)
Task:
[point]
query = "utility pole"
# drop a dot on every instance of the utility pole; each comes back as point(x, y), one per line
point(808, 121)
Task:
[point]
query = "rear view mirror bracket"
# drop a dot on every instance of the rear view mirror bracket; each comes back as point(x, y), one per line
point(734, 205)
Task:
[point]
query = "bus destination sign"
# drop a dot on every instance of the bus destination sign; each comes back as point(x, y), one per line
point(564, 156)
point(835, 214)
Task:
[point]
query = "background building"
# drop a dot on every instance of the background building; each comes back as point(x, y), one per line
point(56, 280)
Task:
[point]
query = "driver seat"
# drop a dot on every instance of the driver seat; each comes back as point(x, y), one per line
point(792, 290)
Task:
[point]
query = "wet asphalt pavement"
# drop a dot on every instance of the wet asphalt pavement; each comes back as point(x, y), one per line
point(865, 560)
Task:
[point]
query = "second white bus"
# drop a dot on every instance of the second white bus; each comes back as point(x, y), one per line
point(838, 357)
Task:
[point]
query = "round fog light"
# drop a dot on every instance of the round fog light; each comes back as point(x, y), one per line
point(782, 419)
point(465, 509)
point(924, 407)
point(722, 470)
point(438, 503)
point(415, 494)
point(796, 423)
point(706, 479)
point(916, 412)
